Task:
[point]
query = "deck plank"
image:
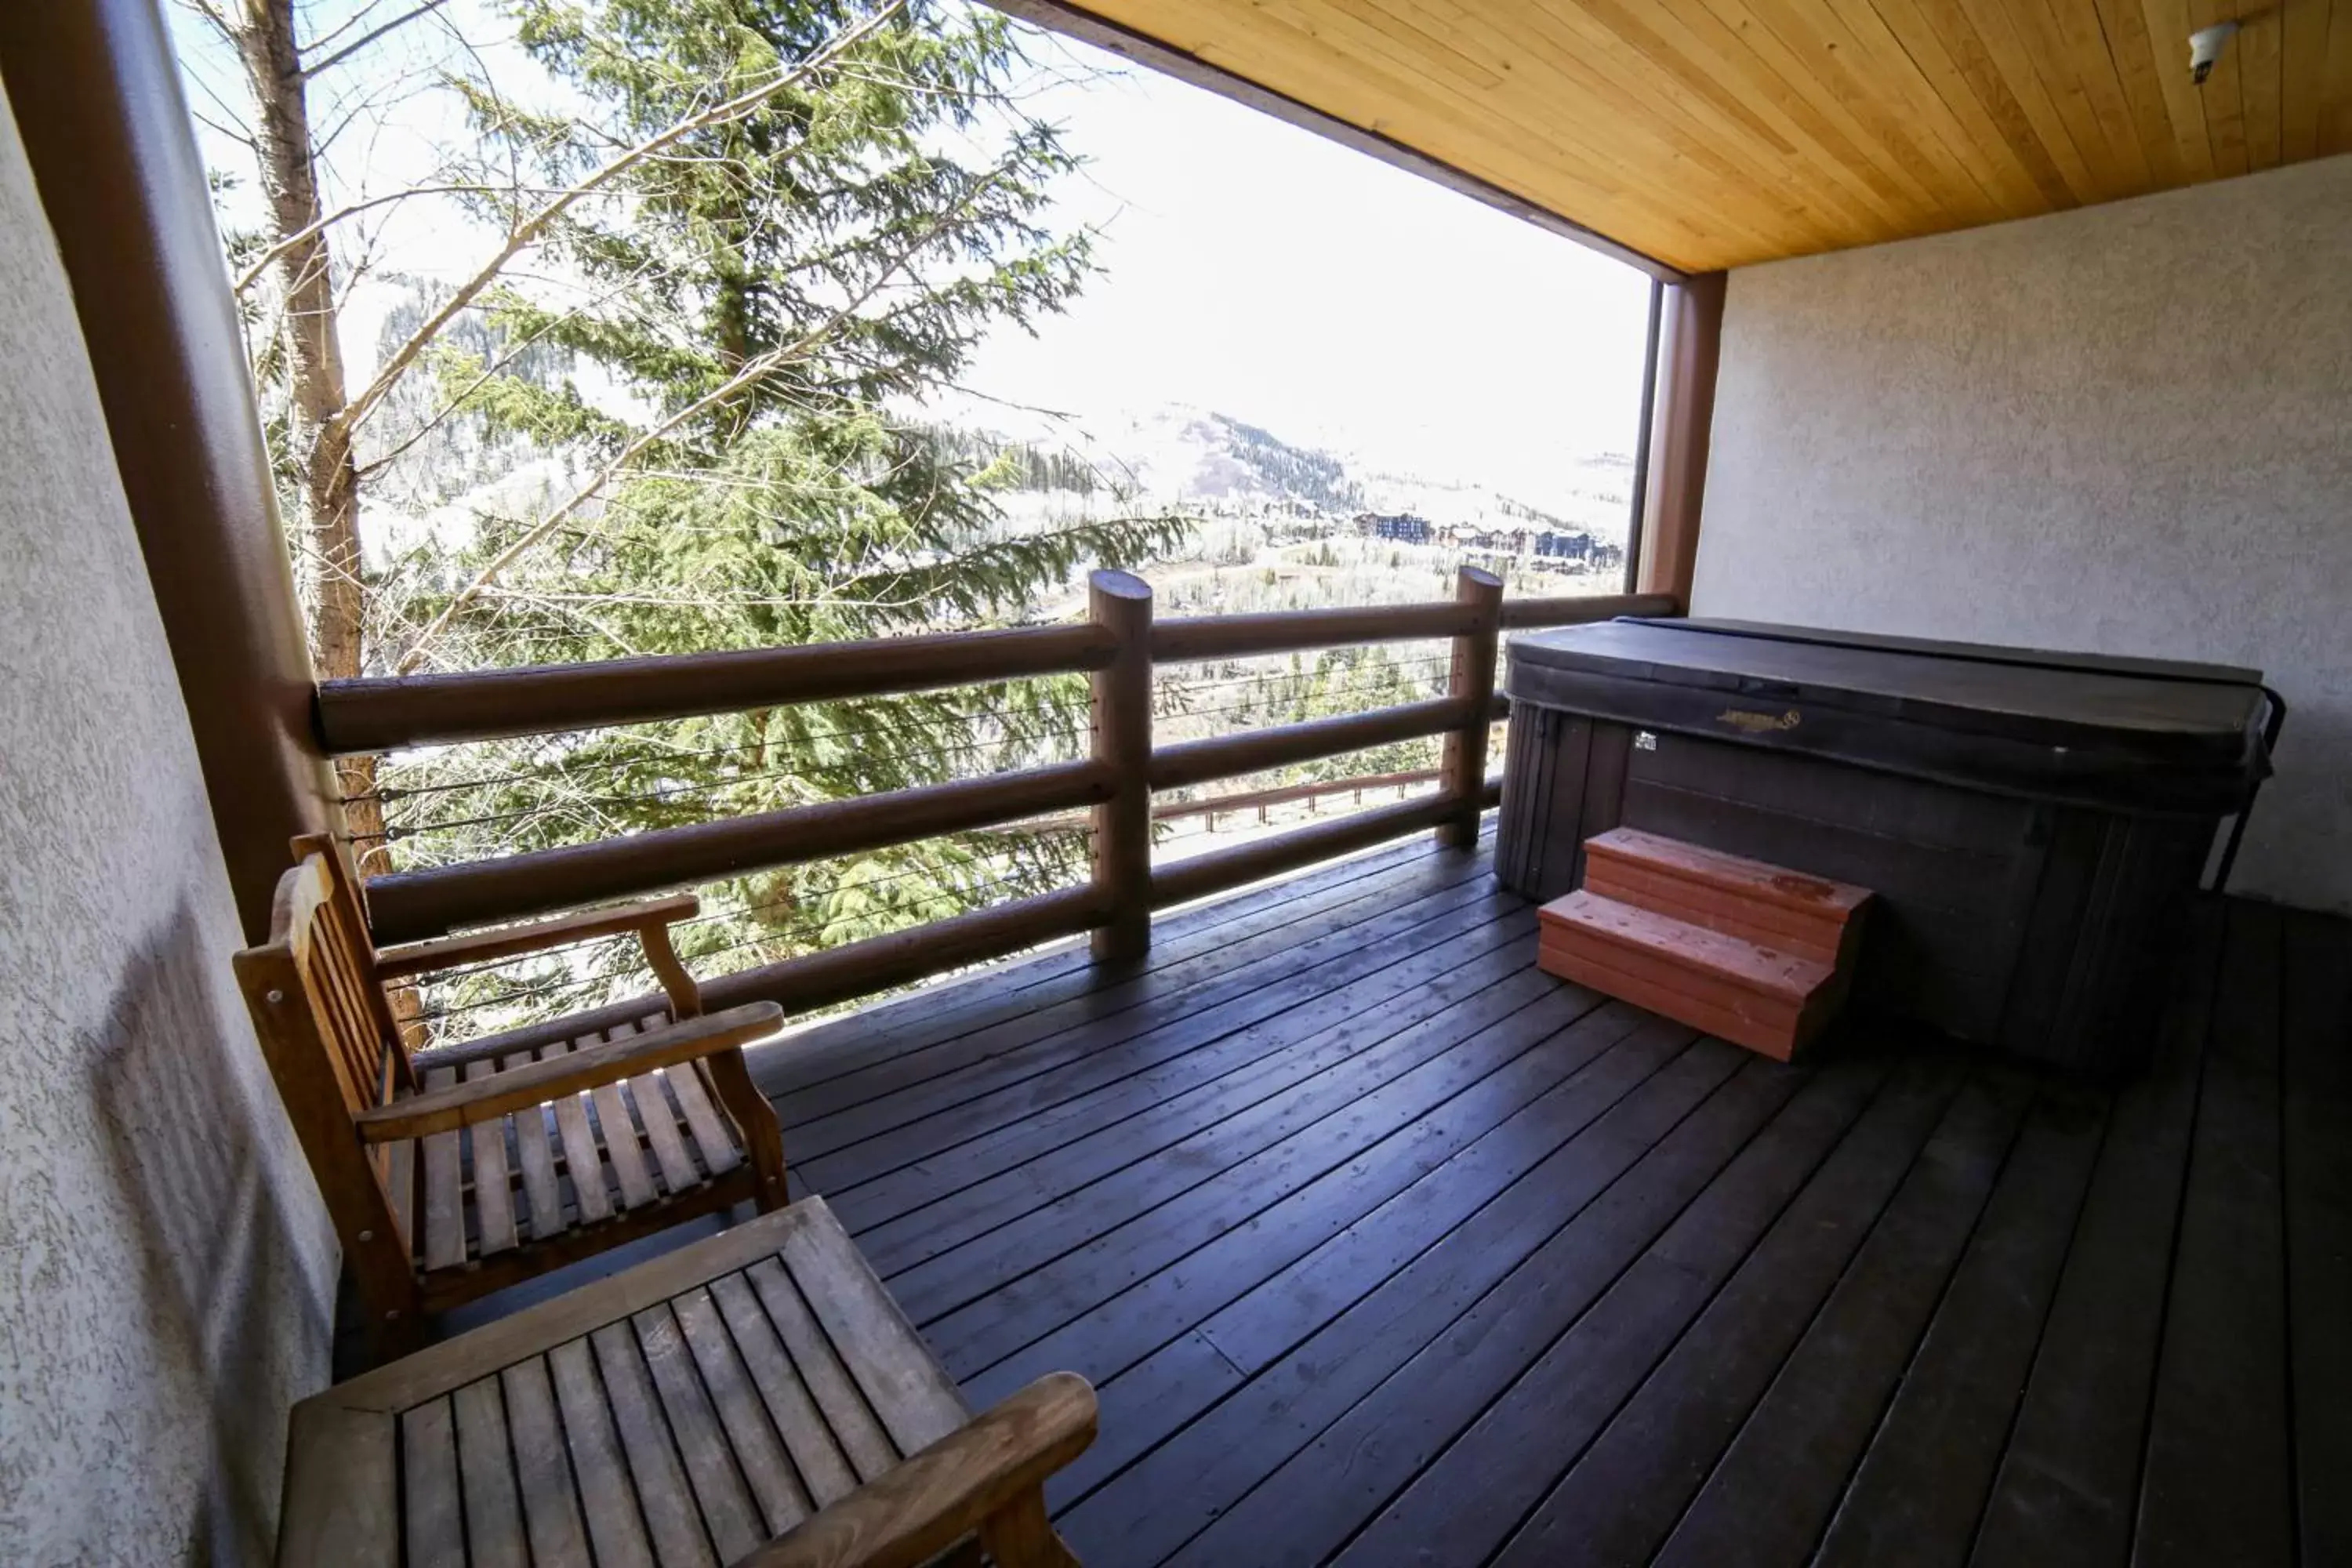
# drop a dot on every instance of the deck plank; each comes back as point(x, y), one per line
point(1466, 1501)
point(1915, 1499)
point(2068, 1482)
point(970, 1001)
point(1650, 1154)
point(1169, 991)
point(1625, 1492)
point(1196, 1089)
point(1215, 1169)
point(1581, 1074)
point(2317, 1083)
point(2217, 1486)
point(924, 1118)
point(1780, 1480)
point(1337, 1169)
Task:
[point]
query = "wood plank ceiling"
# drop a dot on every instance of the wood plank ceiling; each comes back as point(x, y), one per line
point(1709, 133)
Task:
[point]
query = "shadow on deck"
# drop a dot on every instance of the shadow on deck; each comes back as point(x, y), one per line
point(1383, 1247)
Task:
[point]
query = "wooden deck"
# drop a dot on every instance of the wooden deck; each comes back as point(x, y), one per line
point(1383, 1247)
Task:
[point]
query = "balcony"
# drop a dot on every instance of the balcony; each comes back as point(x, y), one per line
point(1380, 1243)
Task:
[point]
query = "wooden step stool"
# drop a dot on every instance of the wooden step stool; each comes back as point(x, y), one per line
point(1753, 954)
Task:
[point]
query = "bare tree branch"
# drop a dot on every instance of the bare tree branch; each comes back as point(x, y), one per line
point(253, 274)
point(312, 69)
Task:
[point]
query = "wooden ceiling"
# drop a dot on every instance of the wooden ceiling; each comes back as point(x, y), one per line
point(1709, 133)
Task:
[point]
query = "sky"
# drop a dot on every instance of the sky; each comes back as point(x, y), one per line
point(1250, 268)
point(1261, 270)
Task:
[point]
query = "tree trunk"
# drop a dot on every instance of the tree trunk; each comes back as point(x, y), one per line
point(329, 558)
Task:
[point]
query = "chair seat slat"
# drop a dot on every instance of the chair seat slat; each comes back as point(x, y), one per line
point(590, 1190)
point(535, 1152)
point(493, 1189)
point(445, 1206)
point(621, 1149)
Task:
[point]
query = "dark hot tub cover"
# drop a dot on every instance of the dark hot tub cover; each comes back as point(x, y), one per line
point(2127, 734)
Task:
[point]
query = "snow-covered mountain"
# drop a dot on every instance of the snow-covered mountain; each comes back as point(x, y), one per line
point(1203, 460)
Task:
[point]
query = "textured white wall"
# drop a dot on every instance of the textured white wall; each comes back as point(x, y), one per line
point(2126, 429)
point(169, 1274)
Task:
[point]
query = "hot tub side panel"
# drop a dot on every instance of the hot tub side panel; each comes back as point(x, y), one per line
point(2025, 924)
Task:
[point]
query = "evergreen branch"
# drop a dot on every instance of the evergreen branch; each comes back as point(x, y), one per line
point(752, 372)
point(523, 234)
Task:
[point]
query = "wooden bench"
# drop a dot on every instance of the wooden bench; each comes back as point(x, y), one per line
point(450, 1174)
point(753, 1398)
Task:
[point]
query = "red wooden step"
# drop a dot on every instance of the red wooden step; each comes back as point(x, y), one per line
point(1765, 998)
point(1769, 905)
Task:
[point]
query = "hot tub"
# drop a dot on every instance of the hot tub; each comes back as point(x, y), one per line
point(2034, 824)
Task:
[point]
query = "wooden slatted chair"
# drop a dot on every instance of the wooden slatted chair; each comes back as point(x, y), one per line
point(753, 1399)
point(450, 1174)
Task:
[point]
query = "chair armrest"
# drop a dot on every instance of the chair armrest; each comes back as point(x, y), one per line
point(536, 1083)
point(477, 947)
point(906, 1516)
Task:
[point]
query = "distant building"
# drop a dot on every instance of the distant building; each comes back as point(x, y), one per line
point(1565, 546)
point(1402, 527)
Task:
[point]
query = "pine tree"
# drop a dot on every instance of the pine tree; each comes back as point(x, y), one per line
point(761, 305)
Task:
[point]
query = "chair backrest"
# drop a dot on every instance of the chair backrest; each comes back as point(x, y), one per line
point(327, 1034)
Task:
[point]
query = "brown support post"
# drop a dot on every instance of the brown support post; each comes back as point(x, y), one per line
point(1121, 604)
point(1462, 774)
point(96, 95)
point(1684, 415)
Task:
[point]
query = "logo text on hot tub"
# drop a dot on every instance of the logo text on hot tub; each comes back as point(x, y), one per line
point(1752, 723)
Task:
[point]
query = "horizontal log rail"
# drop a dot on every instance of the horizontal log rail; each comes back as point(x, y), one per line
point(831, 974)
point(1288, 795)
point(1256, 750)
point(1191, 639)
point(1222, 870)
point(409, 906)
point(385, 713)
point(1116, 646)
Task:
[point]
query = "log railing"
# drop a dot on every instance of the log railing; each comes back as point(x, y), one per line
point(1117, 647)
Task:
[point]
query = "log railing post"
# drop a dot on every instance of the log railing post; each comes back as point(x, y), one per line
point(1462, 774)
point(1121, 689)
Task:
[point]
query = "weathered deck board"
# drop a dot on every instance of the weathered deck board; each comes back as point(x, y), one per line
point(1383, 1247)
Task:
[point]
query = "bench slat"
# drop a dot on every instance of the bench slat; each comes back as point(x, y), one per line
point(551, 1510)
point(614, 1525)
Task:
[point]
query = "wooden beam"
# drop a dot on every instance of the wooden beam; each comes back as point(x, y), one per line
point(1120, 699)
point(410, 906)
point(1088, 28)
point(1470, 686)
point(382, 714)
point(1685, 416)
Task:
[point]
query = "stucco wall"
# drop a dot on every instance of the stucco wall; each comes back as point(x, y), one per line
point(169, 1273)
point(2125, 429)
